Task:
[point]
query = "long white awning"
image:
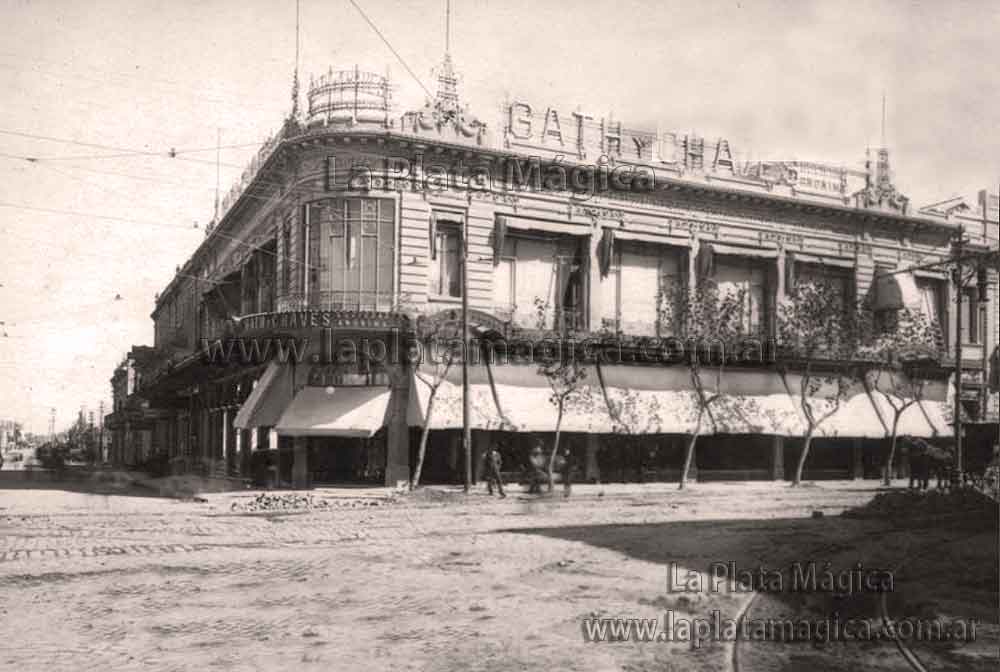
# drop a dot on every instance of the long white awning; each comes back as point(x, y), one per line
point(336, 411)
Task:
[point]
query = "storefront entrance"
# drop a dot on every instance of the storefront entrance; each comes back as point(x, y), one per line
point(334, 459)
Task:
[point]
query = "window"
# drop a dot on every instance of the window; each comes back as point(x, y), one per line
point(504, 284)
point(738, 274)
point(932, 302)
point(547, 270)
point(446, 269)
point(839, 280)
point(970, 316)
point(640, 287)
point(359, 251)
point(286, 258)
point(266, 267)
point(309, 254)
point(983, 325)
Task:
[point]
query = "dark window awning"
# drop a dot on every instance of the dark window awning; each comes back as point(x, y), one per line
point(268, 399)
point(894, 291)
point(357, 412)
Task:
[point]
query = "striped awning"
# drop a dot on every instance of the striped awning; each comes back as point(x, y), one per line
point(622, 399)
point(446, 412)
point(926, 411)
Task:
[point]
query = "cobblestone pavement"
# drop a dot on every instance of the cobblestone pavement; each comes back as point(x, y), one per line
point(442, 582)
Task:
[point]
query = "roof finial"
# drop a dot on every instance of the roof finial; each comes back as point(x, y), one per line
point(295, 75)
point(446, 99)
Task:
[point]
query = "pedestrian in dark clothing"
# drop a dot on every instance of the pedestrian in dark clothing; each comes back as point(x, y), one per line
point(494, 462)
point(567, 470)
point(536, 469)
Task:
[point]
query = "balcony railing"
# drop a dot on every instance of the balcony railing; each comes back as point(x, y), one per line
point(560, 320)
point(339, 300)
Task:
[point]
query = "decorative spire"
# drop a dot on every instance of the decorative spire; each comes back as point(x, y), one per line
point(446, 100)
point(295, 75)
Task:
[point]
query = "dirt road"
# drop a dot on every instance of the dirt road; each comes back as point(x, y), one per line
point(437, 582)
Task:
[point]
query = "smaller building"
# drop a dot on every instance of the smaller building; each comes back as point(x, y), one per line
point(130, 425)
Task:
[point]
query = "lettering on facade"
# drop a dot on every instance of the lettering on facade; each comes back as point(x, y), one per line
point(782, 239)
point(597, 212)
point(495, 197)
point(589, 136)
point(308, 319)
point(854, 248)
point(693, 226)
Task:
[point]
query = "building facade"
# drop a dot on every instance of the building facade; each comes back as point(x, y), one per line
point(130, 429)
point(284, 347)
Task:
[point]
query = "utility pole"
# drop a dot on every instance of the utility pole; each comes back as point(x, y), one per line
point(100, 432)
point(466, 429)
point(959, 292)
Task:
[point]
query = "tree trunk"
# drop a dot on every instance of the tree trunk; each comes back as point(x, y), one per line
point(555, 448)
point(887, 476)
point(807, 442)
point(689, 455)
point(425, 432)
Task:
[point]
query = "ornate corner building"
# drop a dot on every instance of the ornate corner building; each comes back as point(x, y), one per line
point(284, 347)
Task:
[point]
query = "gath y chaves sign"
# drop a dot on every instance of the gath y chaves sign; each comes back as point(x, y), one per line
point(583, 136)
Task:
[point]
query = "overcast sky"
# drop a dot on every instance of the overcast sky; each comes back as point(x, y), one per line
point(81, 226)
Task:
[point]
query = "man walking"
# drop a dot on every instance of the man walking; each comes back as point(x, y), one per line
point(493, 463)
point(567, 470)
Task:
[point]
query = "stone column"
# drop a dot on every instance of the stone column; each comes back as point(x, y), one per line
point(592, 469)
point(227, 439)
point(397, 449)
point(857, 459)
point(300, 462)
point(594, 280)
point(777, 458)
point(455, 453)
point(239, 447)
point(693, 474)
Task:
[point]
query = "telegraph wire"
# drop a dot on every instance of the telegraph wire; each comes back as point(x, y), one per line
point(122, 151)
point(193, 92)
point(395, 53)
point(125, 220)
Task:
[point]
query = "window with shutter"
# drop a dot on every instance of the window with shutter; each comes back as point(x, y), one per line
point(445, 277)
point(739, 274)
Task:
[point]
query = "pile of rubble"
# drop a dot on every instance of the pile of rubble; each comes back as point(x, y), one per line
point(289, 501)
point(294, 501)
point(911, 503)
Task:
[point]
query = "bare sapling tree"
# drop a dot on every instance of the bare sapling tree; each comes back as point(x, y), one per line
point(442, 347)
point(709, 324)
point(818, 336)
point(565, 374)
point(897, 348)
